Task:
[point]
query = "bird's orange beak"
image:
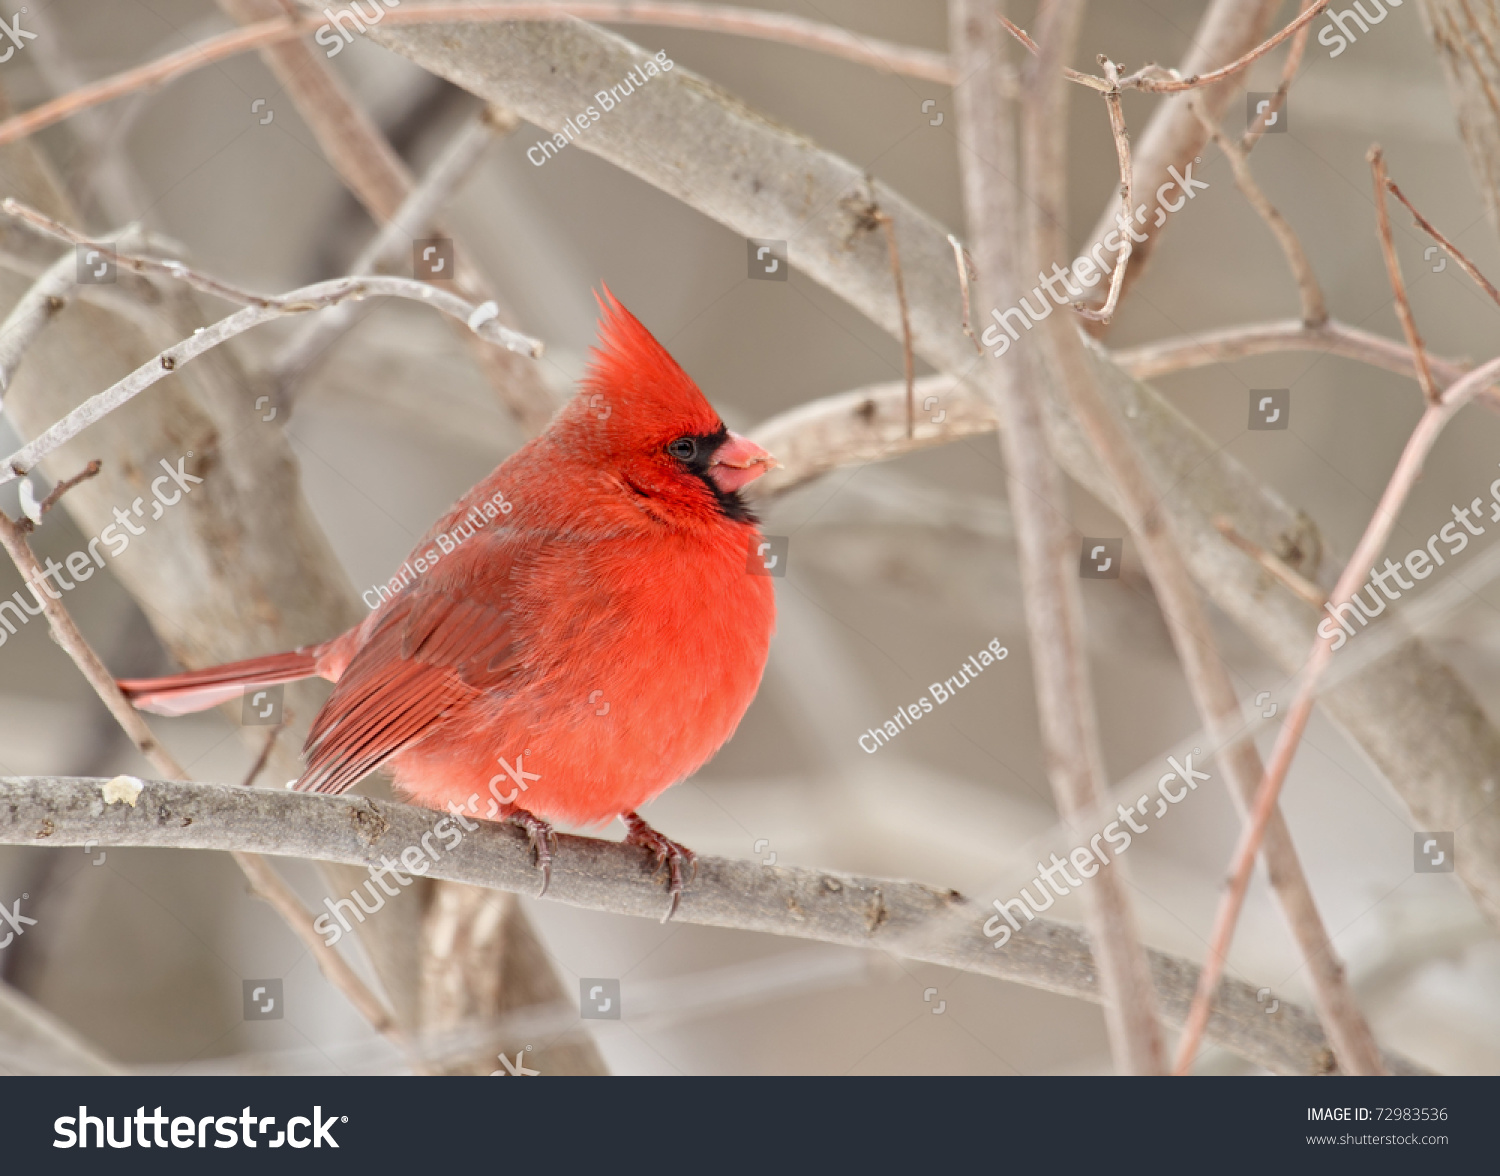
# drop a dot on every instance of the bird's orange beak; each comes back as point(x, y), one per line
point(738, 462)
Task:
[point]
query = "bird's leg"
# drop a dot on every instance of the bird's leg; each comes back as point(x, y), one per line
point(539, 832)
point(665, 851)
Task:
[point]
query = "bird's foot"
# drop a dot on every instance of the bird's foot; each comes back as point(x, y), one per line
point(665, 852)
point(539, 833)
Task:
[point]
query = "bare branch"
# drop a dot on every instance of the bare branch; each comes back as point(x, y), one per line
point(965, 274)
point(1035, 489)
point(1299, 584)
point(265, 881)
point(1452, 250)
point(1192, 635)
point(1408, 469)
point(878, 914)
point(1155, 80)
point(1289, 69)
point(314, 297)
point(1314, 309)
point(1165, 356)
point(792, 30)
point(1127, 199)
point(1173, 138)
point(385, 249)
point(1393, 269)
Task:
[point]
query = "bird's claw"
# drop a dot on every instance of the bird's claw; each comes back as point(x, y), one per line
point(539, 833)
point(666, 854)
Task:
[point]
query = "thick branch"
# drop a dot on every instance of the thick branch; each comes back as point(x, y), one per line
point(874, 913)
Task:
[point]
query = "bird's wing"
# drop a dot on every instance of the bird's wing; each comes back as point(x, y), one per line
point(441, 645)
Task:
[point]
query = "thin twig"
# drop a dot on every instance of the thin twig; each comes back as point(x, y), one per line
point(1186, 352)
point(961, 261)
point(314, 297)
point(1144, 79)
point(1127, 199)
point(155, 73)
point(1294, 580)
point(791, 30)
point(1289, 69)
point(1172, 82)
point(40, 222)
point(1376, 158)
point(267, 746)
point(1314, 308)
point(1403, 478)
point(1452, 250)
point(89, 471)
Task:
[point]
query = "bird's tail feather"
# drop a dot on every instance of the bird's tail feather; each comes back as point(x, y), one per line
point(196, 690)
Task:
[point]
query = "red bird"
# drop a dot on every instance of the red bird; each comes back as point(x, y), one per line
point(580, 631)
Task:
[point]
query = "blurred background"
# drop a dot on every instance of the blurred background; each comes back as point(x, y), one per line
point(895, 572)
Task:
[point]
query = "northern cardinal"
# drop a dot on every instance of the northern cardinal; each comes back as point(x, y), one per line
point(580, 631)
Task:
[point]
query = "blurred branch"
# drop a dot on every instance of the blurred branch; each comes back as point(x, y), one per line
point(390, 244)
point(1174, 137)
point(878, 914)
point(1449, 247)
point(1226, 344)
point(154, 73)
point(33, 1041)
point(1289, 69)
point(314, 297)
point(1192, 635)
point(372, 170)
point(1035, 489)
point(1458, 29)
point(1314, 309)
point(1372, 542)
point(263, 879)
point(277, 31)
point(1376, 159)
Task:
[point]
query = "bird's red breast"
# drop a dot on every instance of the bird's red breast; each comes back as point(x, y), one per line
point(581, 629)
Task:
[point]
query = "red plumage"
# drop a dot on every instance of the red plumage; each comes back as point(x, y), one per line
point(594, 634)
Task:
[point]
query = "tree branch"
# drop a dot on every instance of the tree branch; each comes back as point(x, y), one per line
point(315, 297)
point(1371, 543)
point(610, 876)
point(1192, 635)
point(1035, 488)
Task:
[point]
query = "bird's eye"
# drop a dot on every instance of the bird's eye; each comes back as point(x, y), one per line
point(684, 449)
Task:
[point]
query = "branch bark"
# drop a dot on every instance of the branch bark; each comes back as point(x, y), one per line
point(874, 913)
point(1037, 494)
